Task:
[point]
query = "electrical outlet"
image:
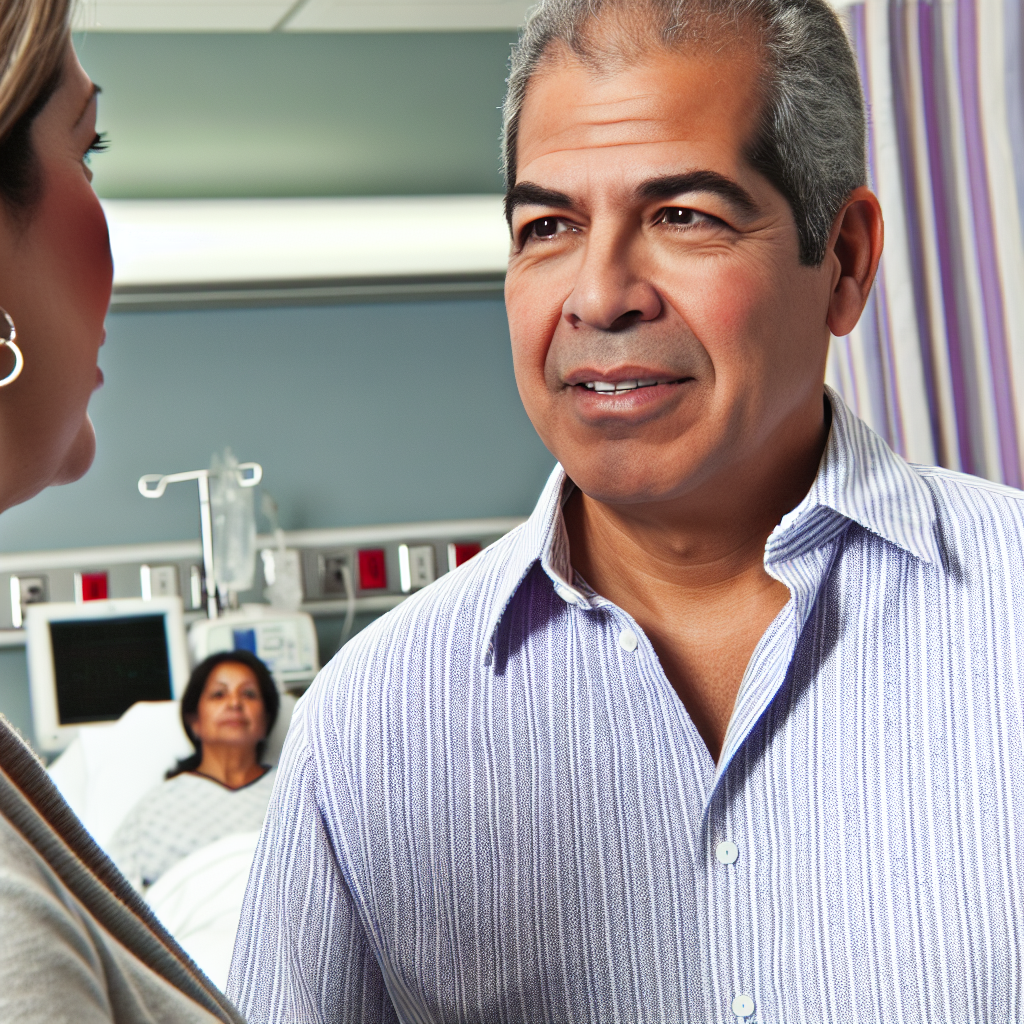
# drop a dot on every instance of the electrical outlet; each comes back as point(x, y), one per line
point(459, 553)
point(26, 590)
point(416, 566)
point(91, 586)
point(332, 575)
point(373, 571)
point(158, 581)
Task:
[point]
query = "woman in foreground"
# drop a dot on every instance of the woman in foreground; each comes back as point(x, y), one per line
point(76, 941)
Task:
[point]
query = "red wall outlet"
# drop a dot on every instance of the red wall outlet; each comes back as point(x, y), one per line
point(94, 586)
point(373, 573)
point(459, 553)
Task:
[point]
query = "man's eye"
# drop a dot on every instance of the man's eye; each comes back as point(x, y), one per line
point(546, 227)
point(683, 217)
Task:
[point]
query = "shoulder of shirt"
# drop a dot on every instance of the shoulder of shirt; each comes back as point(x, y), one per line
point(951, 484)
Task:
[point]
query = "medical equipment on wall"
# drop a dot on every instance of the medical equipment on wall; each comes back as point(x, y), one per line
point(285, 641)
point(89, 662)
point(241, 475)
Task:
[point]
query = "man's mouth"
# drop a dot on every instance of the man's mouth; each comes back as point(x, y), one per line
point(608, 387)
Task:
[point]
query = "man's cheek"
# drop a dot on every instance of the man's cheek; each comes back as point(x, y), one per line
point(532, 321)
point(726, 310)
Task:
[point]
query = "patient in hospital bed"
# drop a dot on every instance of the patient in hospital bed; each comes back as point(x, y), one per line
point(223, 789)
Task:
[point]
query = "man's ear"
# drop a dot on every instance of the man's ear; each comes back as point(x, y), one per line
point(854, 249)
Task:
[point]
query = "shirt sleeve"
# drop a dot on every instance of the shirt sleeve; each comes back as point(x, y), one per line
point(301, 954)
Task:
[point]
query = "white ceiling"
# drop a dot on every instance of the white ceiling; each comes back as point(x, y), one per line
point(298, 15)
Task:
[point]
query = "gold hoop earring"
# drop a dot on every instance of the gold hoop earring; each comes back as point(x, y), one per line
point(7, 335)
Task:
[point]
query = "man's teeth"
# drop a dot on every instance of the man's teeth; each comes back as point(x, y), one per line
point(608, 386)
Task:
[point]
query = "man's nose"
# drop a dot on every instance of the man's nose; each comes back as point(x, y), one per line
point(611, 291)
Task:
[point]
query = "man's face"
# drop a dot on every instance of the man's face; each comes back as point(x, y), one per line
point(646, 249)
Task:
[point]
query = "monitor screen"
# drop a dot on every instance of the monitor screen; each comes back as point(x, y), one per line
point(103, 666)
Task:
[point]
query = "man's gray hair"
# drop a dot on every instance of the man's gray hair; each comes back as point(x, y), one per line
point(810, 139)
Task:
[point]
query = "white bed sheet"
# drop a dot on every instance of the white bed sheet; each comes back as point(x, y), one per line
point(199, 901)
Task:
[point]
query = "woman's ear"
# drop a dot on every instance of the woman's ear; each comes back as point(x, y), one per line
point(855, 249)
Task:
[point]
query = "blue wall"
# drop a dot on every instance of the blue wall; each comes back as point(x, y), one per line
point(359, 414)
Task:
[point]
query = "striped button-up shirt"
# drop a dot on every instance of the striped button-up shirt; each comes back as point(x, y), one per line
point(492, 805)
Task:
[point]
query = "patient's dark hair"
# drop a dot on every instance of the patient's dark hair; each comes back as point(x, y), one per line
point(194, 690)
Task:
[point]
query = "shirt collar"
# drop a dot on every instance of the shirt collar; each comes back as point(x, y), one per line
point(859, 477)
point(862, 479)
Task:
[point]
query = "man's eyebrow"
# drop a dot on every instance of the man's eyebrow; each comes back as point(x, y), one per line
point(525, 193)
point(94, 92)
point(698, 181)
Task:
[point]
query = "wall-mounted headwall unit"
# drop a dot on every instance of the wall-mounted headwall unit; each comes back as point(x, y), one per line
point(298, 15)
point(384, 564)
point(174, 253)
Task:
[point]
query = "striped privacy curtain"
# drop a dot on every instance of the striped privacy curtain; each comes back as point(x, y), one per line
point(936, 364)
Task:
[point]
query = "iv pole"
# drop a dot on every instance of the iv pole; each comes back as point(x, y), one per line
point(153, 485)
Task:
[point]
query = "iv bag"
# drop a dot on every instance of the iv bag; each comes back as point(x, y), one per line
point(234, 525)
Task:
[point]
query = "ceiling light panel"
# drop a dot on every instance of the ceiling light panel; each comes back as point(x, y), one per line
point(161, 243)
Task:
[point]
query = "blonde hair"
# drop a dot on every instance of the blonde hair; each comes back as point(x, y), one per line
point(34, 36)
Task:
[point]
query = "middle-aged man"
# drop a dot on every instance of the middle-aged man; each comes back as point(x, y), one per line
point(733, 726)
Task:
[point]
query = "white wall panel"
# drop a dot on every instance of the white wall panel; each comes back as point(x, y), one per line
point(412, 15)
point(180, 15)
point(298, 15)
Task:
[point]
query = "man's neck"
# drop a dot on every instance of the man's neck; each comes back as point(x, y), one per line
point(691, 572)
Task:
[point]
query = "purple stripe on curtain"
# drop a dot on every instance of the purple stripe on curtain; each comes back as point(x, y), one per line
point(933, 89)
point(992, 300)
point(1014, 51)
point(875, 319)
point(899, 69)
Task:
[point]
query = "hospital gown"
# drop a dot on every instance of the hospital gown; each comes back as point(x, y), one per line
point(183, 815)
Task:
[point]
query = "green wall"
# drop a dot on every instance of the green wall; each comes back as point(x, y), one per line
point(274, 114)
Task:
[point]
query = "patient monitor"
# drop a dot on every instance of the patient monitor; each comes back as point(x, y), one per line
point(285, 641)
point(88, 663)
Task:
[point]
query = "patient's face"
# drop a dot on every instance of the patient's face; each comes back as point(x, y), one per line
point(619, 274)
point(231, 711)
point(55, 281)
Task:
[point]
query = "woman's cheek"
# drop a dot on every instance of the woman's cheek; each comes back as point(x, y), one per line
point(74, 227)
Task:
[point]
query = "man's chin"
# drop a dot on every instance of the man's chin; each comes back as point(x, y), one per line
point(79, 456)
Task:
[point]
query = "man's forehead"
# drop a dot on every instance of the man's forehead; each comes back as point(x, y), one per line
point(692, 96)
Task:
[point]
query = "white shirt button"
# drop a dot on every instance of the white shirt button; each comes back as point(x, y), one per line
point(727, 852)
point(628, 640)
point(566, 594)
point(742, 1005)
